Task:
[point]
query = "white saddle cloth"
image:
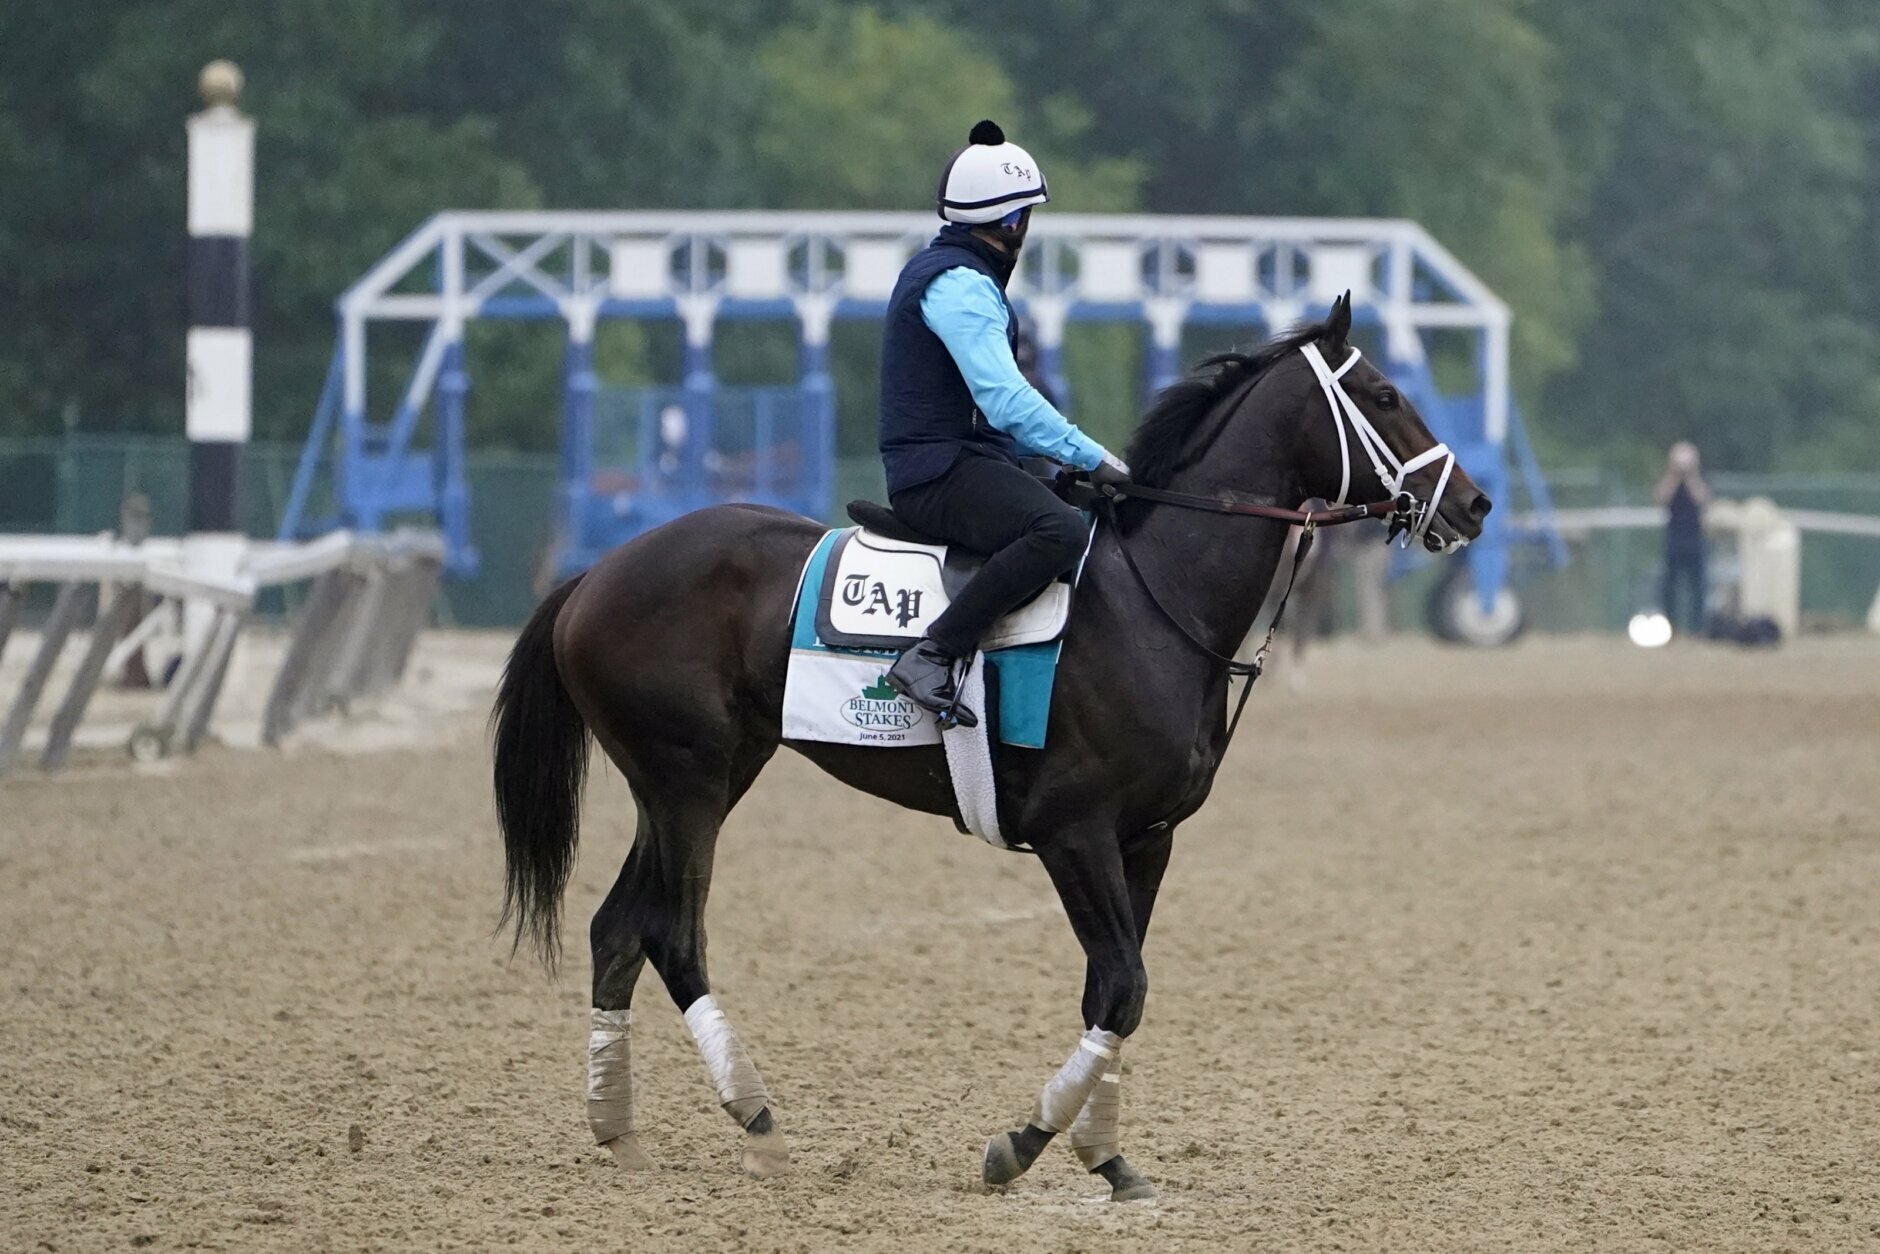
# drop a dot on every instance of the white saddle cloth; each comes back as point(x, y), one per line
point(883, 594)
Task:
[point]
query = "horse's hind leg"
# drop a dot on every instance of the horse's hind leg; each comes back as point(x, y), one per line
point(657, 912)
point(619, 957)
point(675, 942)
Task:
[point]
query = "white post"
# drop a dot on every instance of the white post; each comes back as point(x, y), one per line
point(218, 412)
point(1769, 548)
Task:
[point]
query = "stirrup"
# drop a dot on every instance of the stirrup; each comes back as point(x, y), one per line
point(949, 718)
point(943, 704)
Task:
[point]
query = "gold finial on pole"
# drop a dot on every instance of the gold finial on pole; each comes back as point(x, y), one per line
point(220, 83)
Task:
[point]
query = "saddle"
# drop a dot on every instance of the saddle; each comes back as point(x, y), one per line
point(886, 581)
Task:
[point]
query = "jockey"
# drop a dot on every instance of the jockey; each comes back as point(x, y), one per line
point(956, 414)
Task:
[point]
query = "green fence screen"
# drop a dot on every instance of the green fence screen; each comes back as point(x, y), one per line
point(76, 484)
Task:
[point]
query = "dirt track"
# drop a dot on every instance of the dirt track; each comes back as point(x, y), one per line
point(1591, 965)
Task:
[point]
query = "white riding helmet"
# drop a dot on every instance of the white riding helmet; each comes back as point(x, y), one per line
point(988, 179)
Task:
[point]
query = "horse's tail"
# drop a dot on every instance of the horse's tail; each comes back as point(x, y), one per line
point(541, 758)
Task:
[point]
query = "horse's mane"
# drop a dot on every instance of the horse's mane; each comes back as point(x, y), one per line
point(1159, 447)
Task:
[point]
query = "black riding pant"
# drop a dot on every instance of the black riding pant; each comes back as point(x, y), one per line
point(1682, 592)
point(993, 507)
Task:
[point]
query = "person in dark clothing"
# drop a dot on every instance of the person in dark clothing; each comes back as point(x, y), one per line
point(1684, 494)
point(956, 413)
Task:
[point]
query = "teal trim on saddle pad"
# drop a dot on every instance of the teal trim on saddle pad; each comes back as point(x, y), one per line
point(1027, 672)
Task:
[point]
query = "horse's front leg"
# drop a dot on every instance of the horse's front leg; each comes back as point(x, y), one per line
point(1087, 868)
point(1096, 1136)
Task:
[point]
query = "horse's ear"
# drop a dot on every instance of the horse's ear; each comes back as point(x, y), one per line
point(1338, 323)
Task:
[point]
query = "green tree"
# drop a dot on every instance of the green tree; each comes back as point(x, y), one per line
point(1729, 196)
point(1678, 198)
point(860, 111)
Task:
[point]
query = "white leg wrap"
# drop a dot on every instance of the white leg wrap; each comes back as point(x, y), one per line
point(1066, 1092)
point(740, 1089)
point(610, 1074)
point(1096, 1137)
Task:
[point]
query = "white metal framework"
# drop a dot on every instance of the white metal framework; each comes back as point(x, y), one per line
point(705, 267)
point(702, 265)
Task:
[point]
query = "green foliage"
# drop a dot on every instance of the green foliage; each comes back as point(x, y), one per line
point(1679, 198)
point(1725, 218)
point(858, 111)
point(857, 107)
point(1453, 128)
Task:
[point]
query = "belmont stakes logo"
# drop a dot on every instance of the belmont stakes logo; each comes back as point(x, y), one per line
point(880, 708)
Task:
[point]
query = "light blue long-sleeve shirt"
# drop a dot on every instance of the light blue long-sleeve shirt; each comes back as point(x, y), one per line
point(963, 307)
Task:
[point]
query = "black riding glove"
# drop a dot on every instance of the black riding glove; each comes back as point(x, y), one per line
point(1110, 473)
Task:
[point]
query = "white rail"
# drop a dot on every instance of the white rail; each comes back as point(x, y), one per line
point(1579, 523)
point(371, 595)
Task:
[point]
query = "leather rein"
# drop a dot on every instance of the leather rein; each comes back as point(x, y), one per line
point(1228, 504)
point(1309, 521)
point(1400, 512)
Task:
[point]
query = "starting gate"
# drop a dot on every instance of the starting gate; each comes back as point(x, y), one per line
point(635, 459)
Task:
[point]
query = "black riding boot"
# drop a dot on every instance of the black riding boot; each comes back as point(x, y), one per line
point(924, 675)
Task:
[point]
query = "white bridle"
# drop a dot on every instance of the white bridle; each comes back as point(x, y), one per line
point(1391, 473)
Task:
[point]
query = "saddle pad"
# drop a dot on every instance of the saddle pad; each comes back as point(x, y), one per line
point(838, 695)
point(878, 593)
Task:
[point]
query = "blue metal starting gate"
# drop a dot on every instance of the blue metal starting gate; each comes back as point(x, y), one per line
point(646, 464)
point(632, 460)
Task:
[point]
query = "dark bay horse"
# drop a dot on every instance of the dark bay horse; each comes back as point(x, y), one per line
point(671, 652)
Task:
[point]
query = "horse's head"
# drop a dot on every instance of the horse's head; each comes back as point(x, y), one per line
point(1373, 444)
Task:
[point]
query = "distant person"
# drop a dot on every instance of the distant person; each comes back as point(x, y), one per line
point(675, 428)
point(672, 433)
point(1684, 494)
point(956, 413)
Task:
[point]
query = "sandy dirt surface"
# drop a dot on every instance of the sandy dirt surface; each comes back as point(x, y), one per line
point(1576, 952)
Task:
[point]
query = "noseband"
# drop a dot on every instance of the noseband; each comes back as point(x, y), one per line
point(1414, 521)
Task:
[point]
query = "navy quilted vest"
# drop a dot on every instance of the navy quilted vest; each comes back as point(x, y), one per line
point(928, 418)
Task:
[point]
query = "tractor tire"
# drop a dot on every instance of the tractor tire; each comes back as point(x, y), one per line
point(1456, 616)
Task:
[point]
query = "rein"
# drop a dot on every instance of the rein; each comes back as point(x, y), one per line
point(1228, 504)
point(1309, 520)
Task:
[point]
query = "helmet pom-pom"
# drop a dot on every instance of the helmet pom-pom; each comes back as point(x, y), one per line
point(986, 132)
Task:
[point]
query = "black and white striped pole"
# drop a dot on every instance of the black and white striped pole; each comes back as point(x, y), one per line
point(217, 412)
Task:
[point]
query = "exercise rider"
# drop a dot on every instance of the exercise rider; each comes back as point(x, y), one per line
point(956, 413)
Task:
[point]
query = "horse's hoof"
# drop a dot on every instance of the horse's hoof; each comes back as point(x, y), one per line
point(1001, 1167)
point(628, 1154)
point(1010, 1155)
point(1126, 1183)
point(766, 1155)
